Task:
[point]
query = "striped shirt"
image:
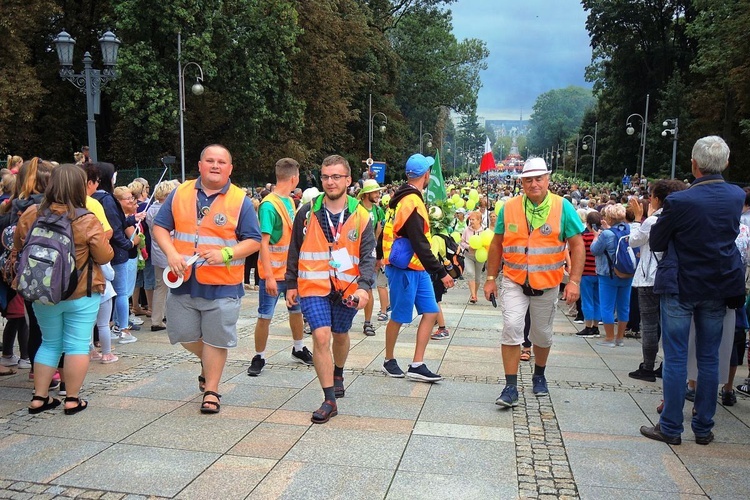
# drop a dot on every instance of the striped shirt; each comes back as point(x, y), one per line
point(589, 268)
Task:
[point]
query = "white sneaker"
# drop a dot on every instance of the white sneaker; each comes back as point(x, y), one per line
point(135, 320)
point(9, 361)
point(24, 364)
point(127, 338)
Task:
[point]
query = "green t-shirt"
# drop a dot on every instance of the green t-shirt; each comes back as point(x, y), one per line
point(570, 223)
point(271, 222)
point(377, 215)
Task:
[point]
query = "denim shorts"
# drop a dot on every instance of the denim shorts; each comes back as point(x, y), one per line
point(320, 313)
point(267, 303)
point(145, 277)
point(409, 288)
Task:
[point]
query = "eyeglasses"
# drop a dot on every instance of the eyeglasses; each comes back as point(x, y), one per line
point(130, 198)
point(334, 177)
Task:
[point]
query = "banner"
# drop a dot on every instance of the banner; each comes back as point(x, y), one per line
point(436, 187)
point(378, 167)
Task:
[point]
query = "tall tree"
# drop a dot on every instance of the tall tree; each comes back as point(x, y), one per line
point(556, 116)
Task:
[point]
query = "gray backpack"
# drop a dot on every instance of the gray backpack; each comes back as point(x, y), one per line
point(47, 271)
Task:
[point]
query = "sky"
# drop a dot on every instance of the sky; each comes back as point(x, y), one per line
point(535, 46)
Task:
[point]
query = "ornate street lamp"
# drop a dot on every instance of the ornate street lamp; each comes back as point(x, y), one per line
point(370, 128)
point(593, 152)
point(197, 89)
point(91, 80)
point(674, 131)
point(644, 127)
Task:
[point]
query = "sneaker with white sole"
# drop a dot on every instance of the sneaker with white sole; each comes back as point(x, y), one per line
point(422, 374)
point(440, 334)
point(127, 338)
point(135, 320)
point(24, 364)
point(11, 360)
point(303, 356)
point(392, 369)
point(509, 397)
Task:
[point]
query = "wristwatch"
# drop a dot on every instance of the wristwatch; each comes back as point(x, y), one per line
point(491, 278)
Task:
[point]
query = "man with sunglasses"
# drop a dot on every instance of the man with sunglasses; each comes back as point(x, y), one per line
point(330, 269)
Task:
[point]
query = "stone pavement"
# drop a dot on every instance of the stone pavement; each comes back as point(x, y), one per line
point(143, 435)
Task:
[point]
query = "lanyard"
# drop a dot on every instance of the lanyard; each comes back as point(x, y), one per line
point(337, 232)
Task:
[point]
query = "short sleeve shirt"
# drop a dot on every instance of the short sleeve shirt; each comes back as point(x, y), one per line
point(570, 223)
point(271, 222)
point(97, 209)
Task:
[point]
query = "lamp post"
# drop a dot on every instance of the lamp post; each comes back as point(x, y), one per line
point(456, 152)
point(421, 141)
point(91, 80)
point(197, 89)
point(447, 150)
point(575, 173)
point(370, 128)
point(644, 127)
point(593, 152)
point(674, 131)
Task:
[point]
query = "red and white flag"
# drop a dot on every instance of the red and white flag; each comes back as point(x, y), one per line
point(488, 161)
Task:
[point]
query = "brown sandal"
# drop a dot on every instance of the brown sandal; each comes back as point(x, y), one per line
point(215, 405)
point(338, 387)
point(326, 411)
point(525, 354)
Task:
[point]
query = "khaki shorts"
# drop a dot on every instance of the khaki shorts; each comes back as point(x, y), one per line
point(191, 319)
point(515, 304)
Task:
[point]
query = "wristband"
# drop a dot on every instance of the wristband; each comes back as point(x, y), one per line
point(227, 254)
point(575, 283)
point(491, 278)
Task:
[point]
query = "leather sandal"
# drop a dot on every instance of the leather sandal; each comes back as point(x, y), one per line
point(82, 405)
point(338, 387)
point(215, 406)
point(49, 403)
point(525, 354)
point(323, 414)
point(201, 383)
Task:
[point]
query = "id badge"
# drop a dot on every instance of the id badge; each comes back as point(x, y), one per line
point(342, 258)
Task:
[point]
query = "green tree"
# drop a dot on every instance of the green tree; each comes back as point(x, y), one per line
point(556, 116)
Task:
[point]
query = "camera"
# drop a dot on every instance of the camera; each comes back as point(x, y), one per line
point(351, 301)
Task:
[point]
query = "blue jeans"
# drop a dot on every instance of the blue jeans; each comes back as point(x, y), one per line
point(123, 284)
point(676, 315)
point(614, 295)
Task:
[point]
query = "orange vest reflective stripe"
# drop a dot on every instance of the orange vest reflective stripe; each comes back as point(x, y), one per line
point(216, 230)
point(395, 220)
point(279, 250)
point(538, 257)
point(315, 272)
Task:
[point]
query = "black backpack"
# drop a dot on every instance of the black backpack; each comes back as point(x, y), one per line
point(455, 257)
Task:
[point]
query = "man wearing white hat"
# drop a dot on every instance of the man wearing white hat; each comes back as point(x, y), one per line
point(530, 237)
point(369, 197)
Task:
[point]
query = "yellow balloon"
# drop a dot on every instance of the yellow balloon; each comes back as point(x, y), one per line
point(476, 183)
point(471, 205)
point(475, 242)
point(474, 195)
point(487, 235)
point(459, 203)
point(456, 237)
point(498, 206)
point(481, 255)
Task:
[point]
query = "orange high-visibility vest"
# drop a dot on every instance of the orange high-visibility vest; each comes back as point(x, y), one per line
point(538, 257)
point(279, 250)
point(315, 272)
point(217, 229)
point(395, 220)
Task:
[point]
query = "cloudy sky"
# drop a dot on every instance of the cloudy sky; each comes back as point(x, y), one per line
point(535, 46)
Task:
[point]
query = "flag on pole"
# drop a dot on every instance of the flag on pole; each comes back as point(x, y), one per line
point(488, 161)
point(436, 188)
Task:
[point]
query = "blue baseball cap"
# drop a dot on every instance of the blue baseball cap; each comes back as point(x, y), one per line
point(417, 165)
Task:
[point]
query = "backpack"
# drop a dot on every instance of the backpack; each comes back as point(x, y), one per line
point(47, 271)
point(455, 256)
point(623, 265)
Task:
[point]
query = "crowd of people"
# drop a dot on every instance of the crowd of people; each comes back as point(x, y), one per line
point(661, 261)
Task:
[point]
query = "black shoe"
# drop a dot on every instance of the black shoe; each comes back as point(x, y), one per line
point(657, 372)
point(728, 398)
point(256, 366)
point(589, 331)
point(642, 374)
point(422, 374)
point(656, 434)
point(304, 356)
point(157, 328)
point(704, 440)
